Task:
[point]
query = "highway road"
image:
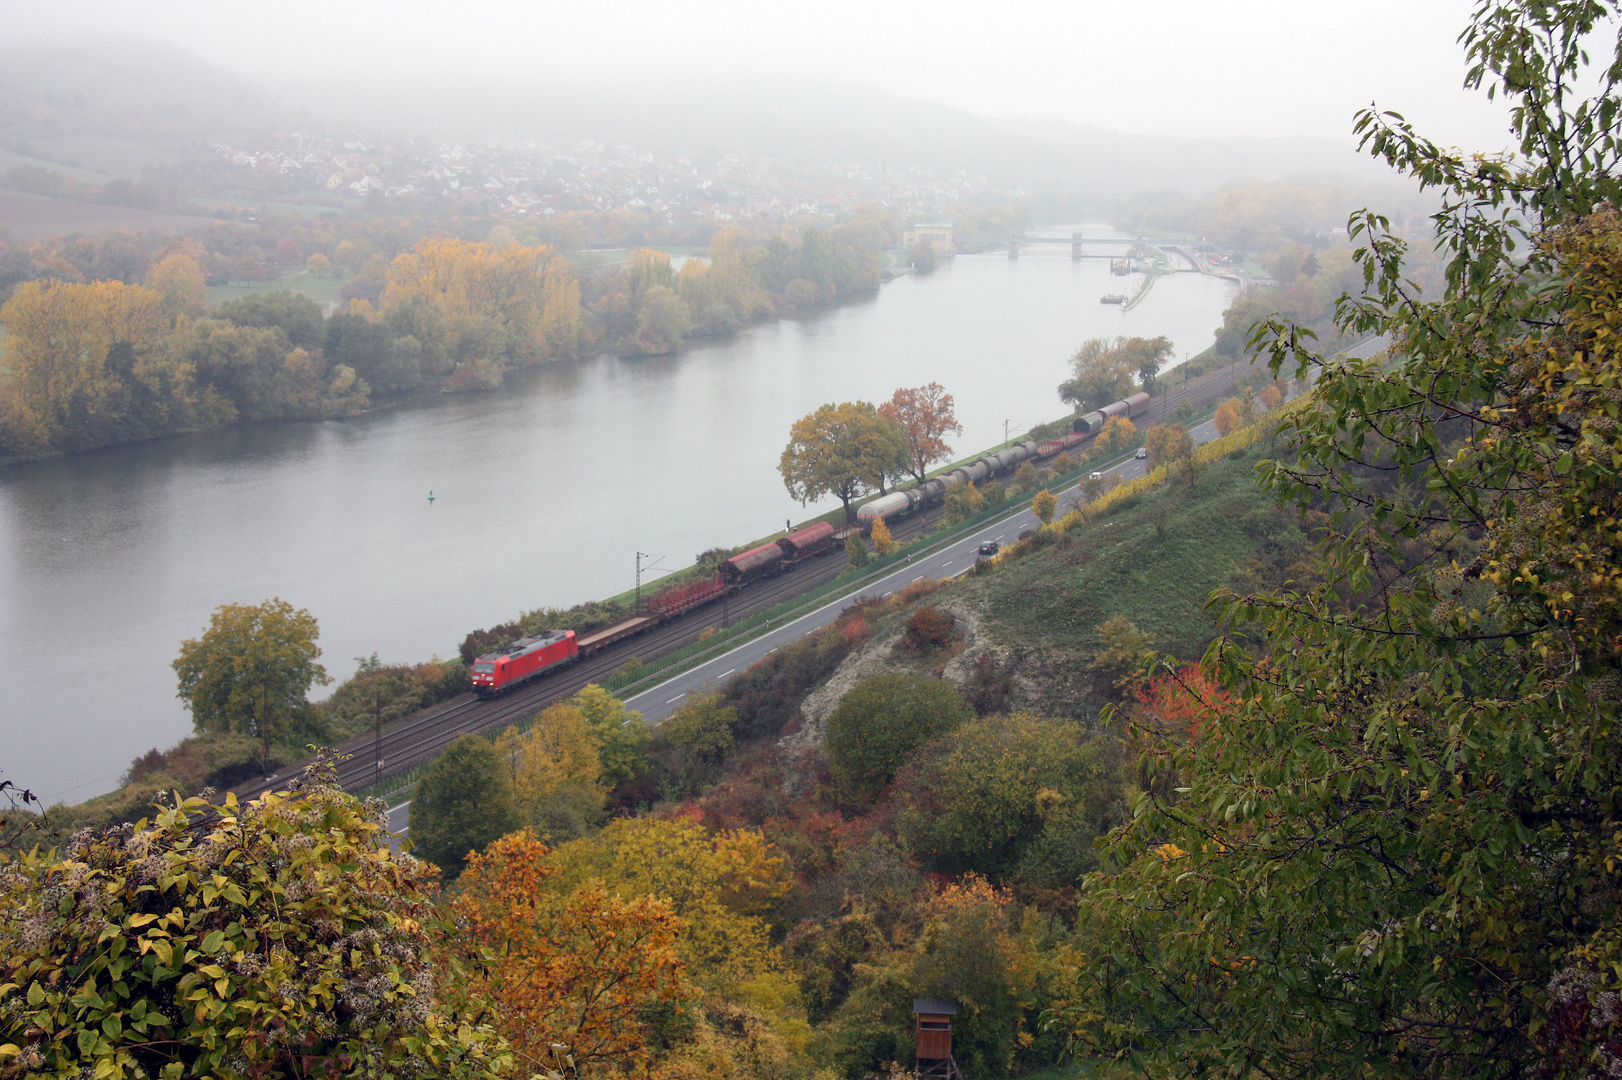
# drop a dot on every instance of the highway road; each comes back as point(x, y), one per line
point(956, 558)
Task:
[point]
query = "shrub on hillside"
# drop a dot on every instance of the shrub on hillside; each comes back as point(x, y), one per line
point(929, 628)
point(879, 723)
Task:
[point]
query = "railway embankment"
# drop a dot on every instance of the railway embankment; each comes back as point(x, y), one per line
point(405, 743)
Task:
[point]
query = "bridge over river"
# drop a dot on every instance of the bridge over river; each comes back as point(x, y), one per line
point(1079, 244)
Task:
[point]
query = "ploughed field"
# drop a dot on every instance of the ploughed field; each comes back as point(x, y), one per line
point(35, 217)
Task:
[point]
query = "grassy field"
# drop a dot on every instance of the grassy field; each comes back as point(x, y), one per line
point(320, 289)
point(285, 209)
point(1156, 561)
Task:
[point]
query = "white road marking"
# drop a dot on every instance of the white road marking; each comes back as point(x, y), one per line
point(945, 564)
point(724, 674)
point(678, 697)
point(402, 806)
point(920, 577)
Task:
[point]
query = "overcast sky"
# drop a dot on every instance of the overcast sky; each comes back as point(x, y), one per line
point(1178, 67)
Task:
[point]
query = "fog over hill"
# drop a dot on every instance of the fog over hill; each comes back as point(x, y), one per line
point(162, 97)
point(809, 124)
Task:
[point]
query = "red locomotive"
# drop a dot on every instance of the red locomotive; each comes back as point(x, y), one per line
point(525, 659)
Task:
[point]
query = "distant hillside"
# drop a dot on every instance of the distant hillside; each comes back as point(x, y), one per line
point(143, 94)
point(813, 126)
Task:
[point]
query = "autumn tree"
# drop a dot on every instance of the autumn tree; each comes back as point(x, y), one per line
point(1227, 417)
point(841, 450)
point(721, 885)
point(180, 280)
point(925, 414)
point(1394, 855)
point(462, 803)
point(882, 540)
point(1167, 443)
point(555, 768)
point(318, 265)
point(251, 670)
point(1124, 652)
point(1271, 397)
point(963, 502)
point(587, 972)
point(621, 734)
point(1118, 434)
point(1045, 505)
point(1145, 357)
point(1101, 371)
point(276, 938)
point(85, 360)
point(497, 300)
point(1024, 477)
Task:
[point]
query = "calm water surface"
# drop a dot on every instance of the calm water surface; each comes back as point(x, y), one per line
point(543, 492)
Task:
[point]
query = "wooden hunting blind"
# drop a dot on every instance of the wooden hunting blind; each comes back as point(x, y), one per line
point(933, 1056)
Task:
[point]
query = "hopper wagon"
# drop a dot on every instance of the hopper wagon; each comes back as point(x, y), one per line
point(752, 565)
point(803, 543)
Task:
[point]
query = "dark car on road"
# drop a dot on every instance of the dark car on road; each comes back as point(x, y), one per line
point(989, 548)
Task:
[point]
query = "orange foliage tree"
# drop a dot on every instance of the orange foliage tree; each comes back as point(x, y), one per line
point(583, 972)
point(925, 415)
point(1181, 703)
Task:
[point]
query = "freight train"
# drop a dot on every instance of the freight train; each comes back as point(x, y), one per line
point(541, 654)
point(531, 658)
point(932, 492)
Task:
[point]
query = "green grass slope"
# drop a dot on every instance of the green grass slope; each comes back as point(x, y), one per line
point(1155, 561)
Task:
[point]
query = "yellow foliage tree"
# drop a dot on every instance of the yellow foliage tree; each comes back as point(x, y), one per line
point(560, 309)
point(1227, 417)
point(318, 265)
point(181, 282)
point(464, 278)
point(720, 885)
point(1118, 434)
point(882, 540)
point(559, 751)
point(1045, 505)
point(73, 350)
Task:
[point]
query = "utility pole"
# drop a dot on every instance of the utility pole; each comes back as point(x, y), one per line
point(377, 736)
point(639, 557)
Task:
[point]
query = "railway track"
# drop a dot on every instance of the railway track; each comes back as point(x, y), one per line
point(420, 738)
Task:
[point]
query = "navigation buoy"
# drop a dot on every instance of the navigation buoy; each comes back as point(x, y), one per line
point(430, 496)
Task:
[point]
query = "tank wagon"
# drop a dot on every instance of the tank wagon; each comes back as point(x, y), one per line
point(933, 492)
point(525, 659)
point(535, 656)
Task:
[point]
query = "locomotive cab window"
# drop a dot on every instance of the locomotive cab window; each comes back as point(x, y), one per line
point(484, 669)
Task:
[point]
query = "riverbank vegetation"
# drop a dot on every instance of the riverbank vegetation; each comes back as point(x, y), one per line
point(101, 362)
point(1308, 777)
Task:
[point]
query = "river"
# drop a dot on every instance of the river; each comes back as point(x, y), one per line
point(543, 494)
